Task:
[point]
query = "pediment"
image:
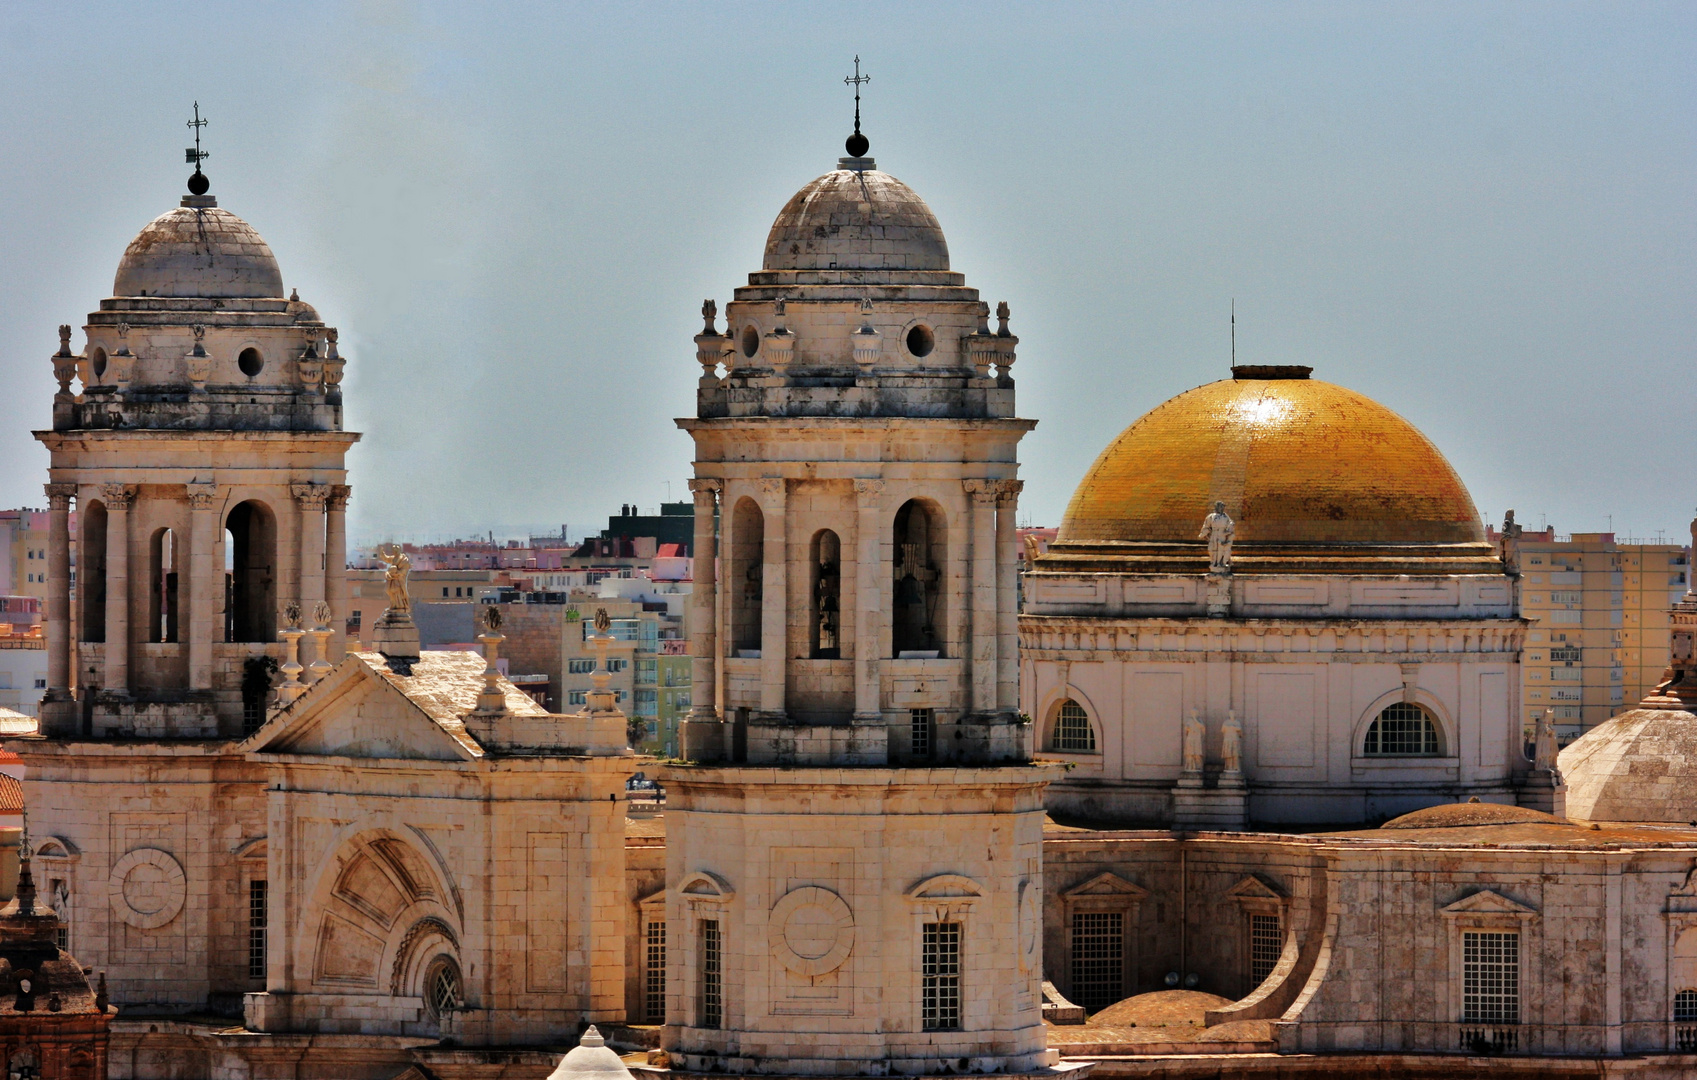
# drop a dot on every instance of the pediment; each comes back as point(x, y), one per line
point(352, 712)
point(654, 903)
point(1106, 886)
point(1253, 888)
point(704, 885)
point(945, 887)
point(1487, 902)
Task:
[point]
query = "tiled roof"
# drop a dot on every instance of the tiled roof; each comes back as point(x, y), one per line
point(11, 795)
point(445, 686)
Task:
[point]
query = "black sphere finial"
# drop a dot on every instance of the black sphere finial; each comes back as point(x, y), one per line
point(857, 144)
point(198, 183)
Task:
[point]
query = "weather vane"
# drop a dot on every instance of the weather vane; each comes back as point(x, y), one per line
point(198, 183)
point(857, 144)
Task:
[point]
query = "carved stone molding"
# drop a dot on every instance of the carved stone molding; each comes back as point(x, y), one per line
point(59, 496)
point(982, 492)
point(868, 490)
point(773, 487)
point(1007, 493)
point(201, 494)
point(147, 888)
point(118, 496)
point(706, 485)
point(811, 931)
point(337, 500)
point(310, 496)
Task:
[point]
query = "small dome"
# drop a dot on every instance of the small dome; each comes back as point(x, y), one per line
point(1295, 460)
point(1638, 766)
point(1460, 815)
point(591, 1058)
point(856, 220)
point(199, 251)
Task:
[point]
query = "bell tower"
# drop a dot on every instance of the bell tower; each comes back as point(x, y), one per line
point(204, 451)
point(854, 848)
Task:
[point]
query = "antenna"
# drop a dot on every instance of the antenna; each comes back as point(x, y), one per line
point(198, 183)
point(1234, 331)
point(857, 144)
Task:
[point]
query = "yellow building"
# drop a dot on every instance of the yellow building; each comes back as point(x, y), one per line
point(1601, 639)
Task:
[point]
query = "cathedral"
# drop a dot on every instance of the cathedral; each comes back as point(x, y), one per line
point(1252, 733)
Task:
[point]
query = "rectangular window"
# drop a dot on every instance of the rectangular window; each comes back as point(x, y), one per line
point(1566, 596)
point(1098, 958)
point(256, 916)
point(712, 976)
point(1566, 655)
point(617, 665)
point(580, 667)
point(1490, 977)
point(939, 1008)
point(1265, 945)
point(654, 976)
point(577, 697)
point(923, 721)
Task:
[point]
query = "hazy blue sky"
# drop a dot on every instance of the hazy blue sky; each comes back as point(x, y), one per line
point(1481, 215)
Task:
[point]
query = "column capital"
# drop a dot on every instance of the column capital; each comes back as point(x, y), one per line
point(706, 485)
point(118, 496)
point(201, 494)
point(983, 492)
point(59, 496)
point(772, 487)
point(868, 491)
point(338, 497)
point(1007, 493)
point(309, 496)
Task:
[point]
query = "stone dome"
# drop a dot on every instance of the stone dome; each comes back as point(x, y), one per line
point(1638, 766)
point(591, 1058)
point(1295, 460)
point(199, 250)
point(851, 219)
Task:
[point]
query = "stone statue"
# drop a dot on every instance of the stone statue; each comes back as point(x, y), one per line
point(1033, 548)
point(1193, 735)
point(395, 580)
point(1511, 544)
point(1544, 743)
point(603, 621)
point(1218, 530)
point(1231, 744)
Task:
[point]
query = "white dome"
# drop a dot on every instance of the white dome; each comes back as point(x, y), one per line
point(198, 250)
point(853, 220)
point(592, 1057)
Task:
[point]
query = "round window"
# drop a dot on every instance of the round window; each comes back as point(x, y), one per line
point(920, 340)
point(250, 362)
point(750, 340)
point(97, 360)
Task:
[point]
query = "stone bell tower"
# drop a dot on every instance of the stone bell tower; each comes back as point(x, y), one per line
point(205, 453)
point(837, 902)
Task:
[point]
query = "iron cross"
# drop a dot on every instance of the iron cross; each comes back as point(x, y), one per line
point(196, 155)
point(856, 80)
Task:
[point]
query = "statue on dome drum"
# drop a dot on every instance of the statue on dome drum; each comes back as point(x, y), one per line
point(1193, 735)
point(395, 580)
point(1511, 544)
point(1544, 743)
point(1218, 530)
point(1231, 745)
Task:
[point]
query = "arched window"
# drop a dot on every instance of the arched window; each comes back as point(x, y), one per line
point(91, 572)
point(1072, 731)
point(827, 596)
point(442, 987)
point(746, 579)
point(250, 553)
point(1685, 1007)
point(1404, 729)
point(162, 587)
point(919, 616)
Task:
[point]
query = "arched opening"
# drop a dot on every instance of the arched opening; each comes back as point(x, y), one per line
point(97, 361)
point(442, 992)
point(91, 572)
point(827, 596)
point(919, 611)
point(748, 556)
point(250, 362)
point(162, 586)
point(1071, 731)
point(921, 340)
point(250, 574)
point(750, 340)
point(1403, 729)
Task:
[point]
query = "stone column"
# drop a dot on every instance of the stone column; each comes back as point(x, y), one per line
point(1007, 597)
point(869, 572)
point(310, 498)
point(703, 605)
point(983, 653)
point(774, 596)
point(118, 497)
point(59, 591)
point(205, 581)
point(336, 568)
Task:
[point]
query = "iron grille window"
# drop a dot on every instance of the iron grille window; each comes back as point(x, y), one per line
point(256, 916)
point(1685, 1007)
point(940, 977)
point(923, 721)
point(712, 976)
point(1490, 977)
point(1072, 729)
point(1402, 730)
point(654, 978)
point(1098, 958)
point(1265, 945)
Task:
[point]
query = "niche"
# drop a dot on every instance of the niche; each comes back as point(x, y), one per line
point(827, 596)
point(746, 580)
point(919, 608)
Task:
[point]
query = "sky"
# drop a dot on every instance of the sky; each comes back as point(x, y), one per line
point(1482, 215)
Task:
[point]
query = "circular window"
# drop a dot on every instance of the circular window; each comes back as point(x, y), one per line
point(920, 340)
point(250, 362)
point(442, 987)
point(750, 340)
point(98, 360)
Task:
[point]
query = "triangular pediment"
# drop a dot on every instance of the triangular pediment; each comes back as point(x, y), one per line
point(1253, 888)
point(354, 712)
point(1104, 886)
point(1487, 902)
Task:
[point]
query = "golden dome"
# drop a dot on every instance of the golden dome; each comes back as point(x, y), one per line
point(1313, 475)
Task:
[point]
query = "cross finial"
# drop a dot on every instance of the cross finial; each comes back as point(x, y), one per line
point(198, 183)
point(857, 144)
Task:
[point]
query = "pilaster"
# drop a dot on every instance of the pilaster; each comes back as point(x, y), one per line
point(205, 583)
point(336, 568)
point(868, 593)
point(983, 495)
point(118, 499)
point(59, 591)
point(1007, 597)
point(774, 615)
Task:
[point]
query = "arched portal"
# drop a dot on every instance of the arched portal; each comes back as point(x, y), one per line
point(250, 592)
